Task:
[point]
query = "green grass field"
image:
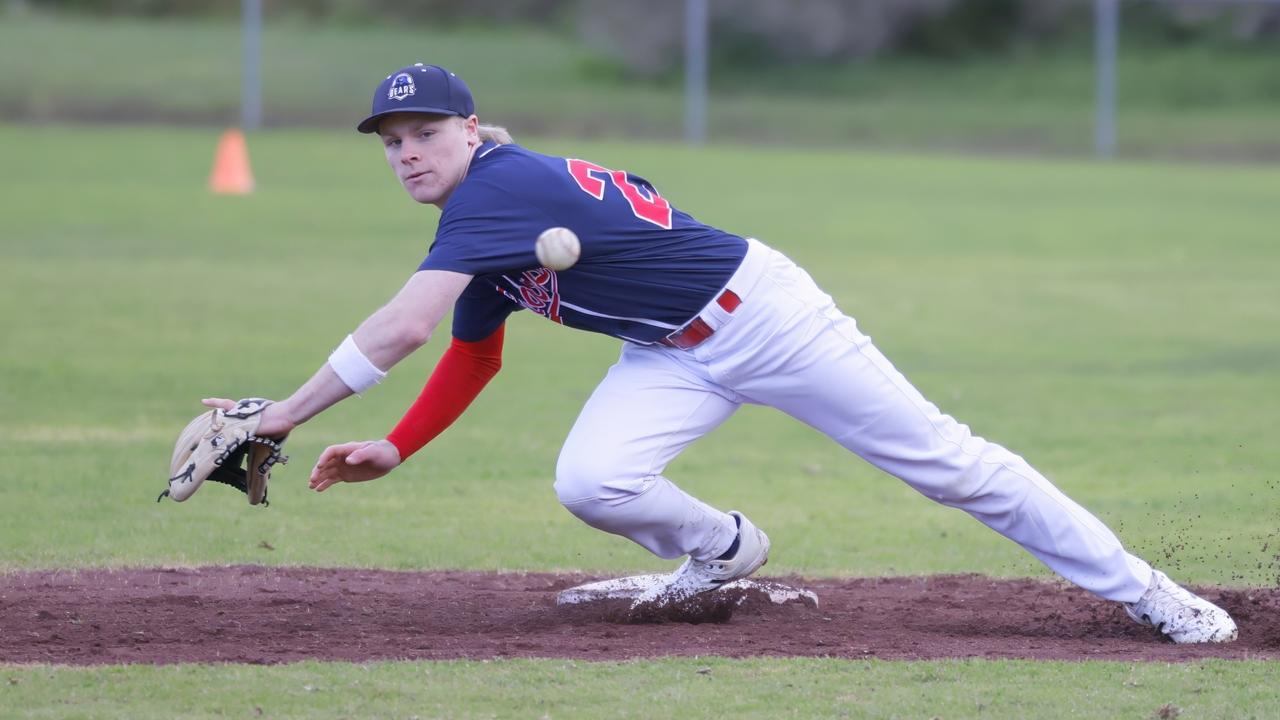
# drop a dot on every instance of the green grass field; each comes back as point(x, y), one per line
point(1114, 323)
point(1192, 101)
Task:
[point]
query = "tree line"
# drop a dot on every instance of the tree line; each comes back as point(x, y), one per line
point(645, 38)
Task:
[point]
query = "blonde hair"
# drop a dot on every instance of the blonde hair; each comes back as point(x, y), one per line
point(494, 133)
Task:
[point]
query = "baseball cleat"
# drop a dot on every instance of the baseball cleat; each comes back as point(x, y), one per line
point(695, 577)
point(1181, 614)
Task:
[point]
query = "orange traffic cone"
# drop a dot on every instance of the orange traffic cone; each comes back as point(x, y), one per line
point(231, 174)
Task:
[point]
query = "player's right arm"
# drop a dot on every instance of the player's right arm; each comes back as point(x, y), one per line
point(472, 359)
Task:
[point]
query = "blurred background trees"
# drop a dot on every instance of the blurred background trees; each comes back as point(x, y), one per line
point(1197, 77)
point(646, 37)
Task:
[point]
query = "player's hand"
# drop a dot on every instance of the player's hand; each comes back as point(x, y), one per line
point(354, 462)
point(275, 421)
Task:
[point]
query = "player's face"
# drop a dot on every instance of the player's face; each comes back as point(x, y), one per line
point(429, 153)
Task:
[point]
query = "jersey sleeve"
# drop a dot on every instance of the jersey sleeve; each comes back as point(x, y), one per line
point(480, 310)
point(486, 229)
point(463, 371)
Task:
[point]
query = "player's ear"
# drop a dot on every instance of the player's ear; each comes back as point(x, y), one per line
point(471, 126)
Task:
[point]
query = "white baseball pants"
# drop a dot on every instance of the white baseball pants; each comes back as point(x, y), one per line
point(788, 346)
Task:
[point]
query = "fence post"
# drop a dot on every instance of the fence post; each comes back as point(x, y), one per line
point(695, 70)
point(251, 86)
point(1106, 15)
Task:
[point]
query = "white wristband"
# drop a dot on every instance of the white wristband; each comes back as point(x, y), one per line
point(354, 368)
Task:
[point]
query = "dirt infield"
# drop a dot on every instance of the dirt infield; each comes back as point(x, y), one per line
point(259, 614)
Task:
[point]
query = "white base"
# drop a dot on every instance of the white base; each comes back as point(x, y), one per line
point(629, 588)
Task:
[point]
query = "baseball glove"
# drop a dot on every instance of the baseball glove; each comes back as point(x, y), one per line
point(215, 444)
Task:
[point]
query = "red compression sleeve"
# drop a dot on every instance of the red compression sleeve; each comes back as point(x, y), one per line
point(463, 371)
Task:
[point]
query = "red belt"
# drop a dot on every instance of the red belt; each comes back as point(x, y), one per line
point(696, 332)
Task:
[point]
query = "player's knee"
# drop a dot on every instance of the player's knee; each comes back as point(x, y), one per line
point(579, 478)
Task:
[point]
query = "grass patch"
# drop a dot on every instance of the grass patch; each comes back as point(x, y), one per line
point(1111, 323)
point(693, 687)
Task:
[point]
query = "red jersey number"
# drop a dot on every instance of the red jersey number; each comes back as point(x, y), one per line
point(646, 203)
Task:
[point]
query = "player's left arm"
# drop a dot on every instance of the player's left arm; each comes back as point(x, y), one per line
point(385, 338)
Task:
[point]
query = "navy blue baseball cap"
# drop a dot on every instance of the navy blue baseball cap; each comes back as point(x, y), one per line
point(419, 88)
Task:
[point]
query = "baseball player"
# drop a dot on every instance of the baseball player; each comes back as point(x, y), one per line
point(708, 320)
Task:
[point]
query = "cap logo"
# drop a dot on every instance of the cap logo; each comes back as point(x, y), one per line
point(401, 87)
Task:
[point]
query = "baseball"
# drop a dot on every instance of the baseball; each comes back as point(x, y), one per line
point(557, 248)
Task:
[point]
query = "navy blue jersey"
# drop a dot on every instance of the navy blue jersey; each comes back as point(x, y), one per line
point(646, 268)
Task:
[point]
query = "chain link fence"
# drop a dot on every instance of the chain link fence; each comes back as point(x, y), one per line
point(1191, 78)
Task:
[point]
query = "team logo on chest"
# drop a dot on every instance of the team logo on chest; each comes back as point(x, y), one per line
point(401, 87)
point(538, 291)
